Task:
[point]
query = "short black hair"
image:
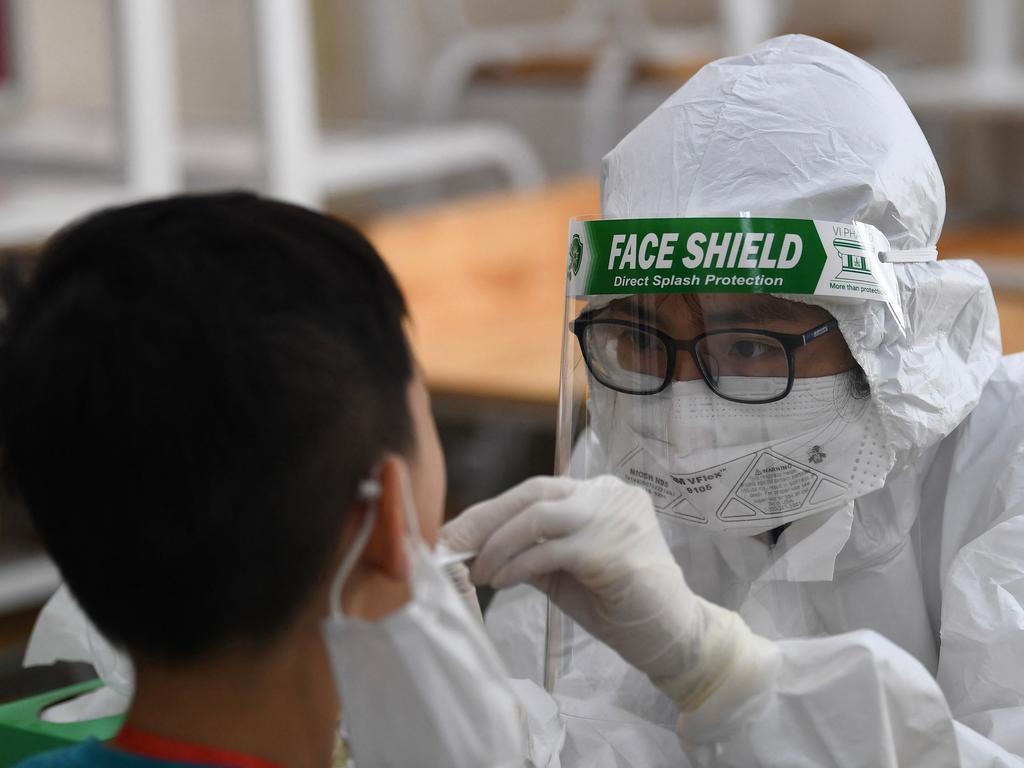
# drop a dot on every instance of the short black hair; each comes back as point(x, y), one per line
point(191, 390)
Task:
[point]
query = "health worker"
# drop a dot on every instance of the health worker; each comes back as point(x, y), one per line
point(805, 542)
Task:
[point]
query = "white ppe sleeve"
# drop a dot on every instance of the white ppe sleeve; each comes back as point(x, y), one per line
point(854, 699)
point(981, 659)
point(859, 699)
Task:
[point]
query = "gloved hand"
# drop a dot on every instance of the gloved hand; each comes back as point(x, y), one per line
point(596, 549)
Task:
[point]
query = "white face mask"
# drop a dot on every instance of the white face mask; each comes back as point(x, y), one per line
point(744, 467)
point(424, 685)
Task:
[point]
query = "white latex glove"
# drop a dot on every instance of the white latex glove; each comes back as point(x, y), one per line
point(596, 549)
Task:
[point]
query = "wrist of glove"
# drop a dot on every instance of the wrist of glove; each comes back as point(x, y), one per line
point(596, 549)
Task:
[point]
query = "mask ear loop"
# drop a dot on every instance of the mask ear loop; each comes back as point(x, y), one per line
point(368, 492)
point(412, 520)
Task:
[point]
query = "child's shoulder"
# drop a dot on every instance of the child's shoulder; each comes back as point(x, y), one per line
point(78, 755)
point(90, 754)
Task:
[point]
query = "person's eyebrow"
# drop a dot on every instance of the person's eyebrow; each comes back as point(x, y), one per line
point(753, 312)
point(641, 311)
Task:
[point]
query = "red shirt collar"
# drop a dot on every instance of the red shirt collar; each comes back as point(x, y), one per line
point(162, 748)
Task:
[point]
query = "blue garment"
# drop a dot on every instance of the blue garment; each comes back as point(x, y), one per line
point(93, 754)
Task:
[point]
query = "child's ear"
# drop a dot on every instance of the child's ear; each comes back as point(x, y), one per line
point(379, 582)
point(385, 549)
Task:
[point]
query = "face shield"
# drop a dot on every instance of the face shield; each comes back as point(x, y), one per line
point(698, 365)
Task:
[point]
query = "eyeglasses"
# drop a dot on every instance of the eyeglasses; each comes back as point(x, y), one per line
point(740, 364)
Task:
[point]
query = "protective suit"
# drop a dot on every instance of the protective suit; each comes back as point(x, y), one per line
point(897, 611)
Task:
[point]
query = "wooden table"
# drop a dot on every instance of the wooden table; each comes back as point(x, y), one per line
point(485, 281)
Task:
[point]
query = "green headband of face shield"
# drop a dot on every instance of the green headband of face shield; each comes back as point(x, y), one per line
point(702, 359)
point(615, 257)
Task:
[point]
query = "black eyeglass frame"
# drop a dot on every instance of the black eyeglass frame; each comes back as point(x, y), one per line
point(790, 343)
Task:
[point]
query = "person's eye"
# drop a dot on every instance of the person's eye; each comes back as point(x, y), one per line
point(751, 349)
point(641, 341)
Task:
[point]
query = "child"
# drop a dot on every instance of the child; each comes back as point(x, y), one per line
point(209, 406)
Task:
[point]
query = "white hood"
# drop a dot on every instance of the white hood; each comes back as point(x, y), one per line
point(799, 128)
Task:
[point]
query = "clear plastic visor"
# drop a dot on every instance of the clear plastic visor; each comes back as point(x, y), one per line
point(690, 369)
point(750, 425)
point(661, 389)
point(740, 411)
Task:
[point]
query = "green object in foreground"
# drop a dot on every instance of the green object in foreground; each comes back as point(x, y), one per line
point(23, 734)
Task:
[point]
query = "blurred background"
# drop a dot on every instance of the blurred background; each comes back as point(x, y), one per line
point(461, 134)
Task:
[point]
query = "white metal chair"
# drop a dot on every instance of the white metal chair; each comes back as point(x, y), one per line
point(303, 165)
point(986, 89)
point(615, 35)
point(287, 156)
point(464, 49)
point(32, 207)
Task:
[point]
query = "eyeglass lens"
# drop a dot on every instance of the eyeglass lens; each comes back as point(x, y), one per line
point(741, 365)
